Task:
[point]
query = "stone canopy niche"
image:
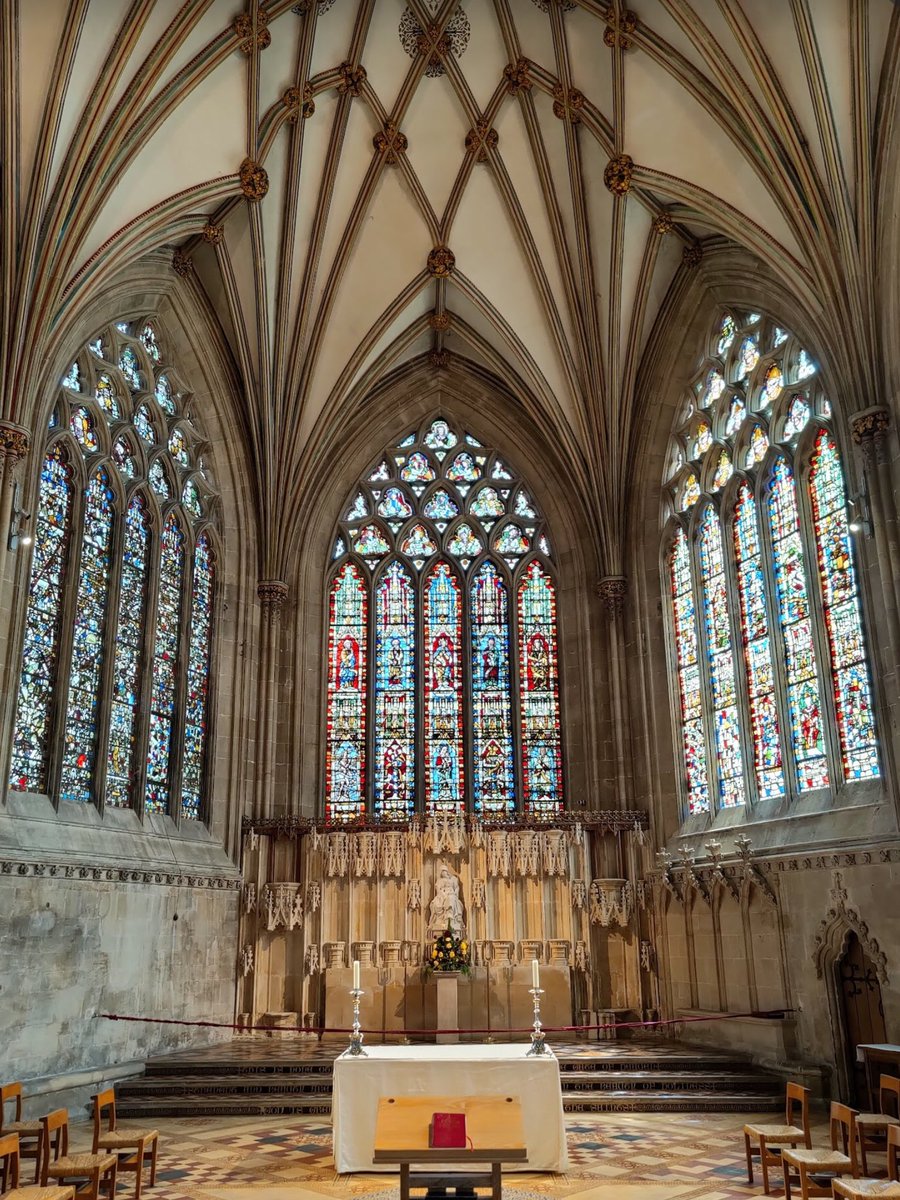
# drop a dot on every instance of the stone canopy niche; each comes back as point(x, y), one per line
point(567, 893)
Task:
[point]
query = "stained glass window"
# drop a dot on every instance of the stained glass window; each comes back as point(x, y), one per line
point(40, 655)
point(757, 644)
point(346, 740)
point(88, 642)
point(443, 688)
point(165, 666)
point(434, 571)
point(539, 692)
point(795, 708)
point(110, 710)
point(840, 596)
point(690, 688)
point(126, 690)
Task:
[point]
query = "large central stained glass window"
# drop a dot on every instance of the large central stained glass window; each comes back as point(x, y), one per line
point(443, 685)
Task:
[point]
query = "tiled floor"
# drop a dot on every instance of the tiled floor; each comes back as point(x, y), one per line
point(628, 1156)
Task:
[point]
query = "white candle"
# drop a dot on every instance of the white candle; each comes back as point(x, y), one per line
point(535, 973)
point(356, 975)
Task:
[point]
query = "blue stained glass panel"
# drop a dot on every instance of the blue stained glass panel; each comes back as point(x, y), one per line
point(395, 670)
point(492, 736)
point(196, 716)
point(689, 684)
point(165, 669)
point(539, 693)
point(345, 747)
point(444, 769)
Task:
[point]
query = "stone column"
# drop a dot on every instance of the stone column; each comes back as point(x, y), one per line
point(14, 445)
point(612, 590)
point(447, 1005)
point(272, 594)
point(871, 432)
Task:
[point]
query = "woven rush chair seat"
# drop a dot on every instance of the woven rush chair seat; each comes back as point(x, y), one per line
point(125, 1139)
point(135, 1148)
point(812, 1169)
point(92, 1174)
point(10, 1152)
point(72, 1165)
point(818, 1159)
point(33, 1191)
point(873, 1127)
point(765, 1141)
point(859, 1189)
point(24, 1128)
point(29, 1133)
point(876, 1120)
point(776, 1133)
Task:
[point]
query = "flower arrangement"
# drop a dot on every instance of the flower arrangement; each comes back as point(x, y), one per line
point(448, 953)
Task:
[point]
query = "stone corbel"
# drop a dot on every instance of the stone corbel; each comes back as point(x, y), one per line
point(531, 948)
point(559, 952)
point(751, 875)
point(363, 953)
point(717, 874)
point(692, 879)
point(666, 878)
point(334, 954)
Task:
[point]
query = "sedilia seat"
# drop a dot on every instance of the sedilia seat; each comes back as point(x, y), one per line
point(9, 1176)
point(794, 1132)
point(873, 1126)
point(887, 1189)
point(134, 1148)
point(814, 1169)
point(92, 1175)
point(30, 1132)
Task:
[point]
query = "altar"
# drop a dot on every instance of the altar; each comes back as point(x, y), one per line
point(453, 1071)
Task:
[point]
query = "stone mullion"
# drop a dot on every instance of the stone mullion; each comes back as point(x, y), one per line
point(14, 445)
point(272, 594)
point(59, 703)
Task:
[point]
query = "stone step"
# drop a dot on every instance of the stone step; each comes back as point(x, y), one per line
point(694, 1081)
point(670, 1101)
point(210, 1085)
point(188, 1104)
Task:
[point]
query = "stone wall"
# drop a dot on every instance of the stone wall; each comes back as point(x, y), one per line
point(71, 949)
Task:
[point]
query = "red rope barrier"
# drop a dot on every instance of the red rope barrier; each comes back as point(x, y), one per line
point(319, 1030)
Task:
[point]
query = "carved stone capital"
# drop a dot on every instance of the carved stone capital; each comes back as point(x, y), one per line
point(439, 321)
point(244, 29)
point(617, 33)
point(351, 79)
point(181, 264)
point(518, 76)
point(618, 173)
point(212, 233)
point(692, 255)
point(480, 140)
point(567, 104)
point(441, 261)
point(271, 594)
point(14, 442)
point(663, 224)
point(299, 102)
point(390, 142)
point(254, 180)
point(439, 359)
point(870, 425)
point(612, 590)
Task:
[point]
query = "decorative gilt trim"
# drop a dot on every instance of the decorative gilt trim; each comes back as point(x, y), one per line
point(441, 261)
point(299, 102)
point(52, 870)
point(617, 33)
point(212, 233)
point(612, 590)
point(181, 264)
point(663, 224)
point(618, 173)
point(692, 255)
point(567, 105)
point(352, 79)
point(254, 180)
point(434, 45)
point(439, 359)
point(271, 594)
point(244, 29)
point(839, 921)
point(518, 76)
point(870, 425)
point(480, 140)
point(439, 321)
point(602, 820)
point(14, 442)
point(390, 142)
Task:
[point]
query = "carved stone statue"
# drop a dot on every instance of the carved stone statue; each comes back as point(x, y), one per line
point(446, 909)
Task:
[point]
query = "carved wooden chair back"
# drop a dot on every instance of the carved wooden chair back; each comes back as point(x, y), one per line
point(9, 1163)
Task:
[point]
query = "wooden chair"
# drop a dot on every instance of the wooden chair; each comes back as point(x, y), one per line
point(794, 1130)
point(873, 1126)
point(91, 1174)
point(9, 1176)
point(888, 1189)
point(30, 1133)
point(813, 1169)
point(133, 1147)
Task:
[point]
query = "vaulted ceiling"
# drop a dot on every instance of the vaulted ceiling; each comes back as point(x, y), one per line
point(356, 183)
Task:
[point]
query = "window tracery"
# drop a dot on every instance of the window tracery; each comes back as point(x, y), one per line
point(113, 701)
point(769, 668)
point(443, 550)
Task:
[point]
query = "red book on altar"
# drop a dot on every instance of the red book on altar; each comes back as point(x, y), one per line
point(448, 1130)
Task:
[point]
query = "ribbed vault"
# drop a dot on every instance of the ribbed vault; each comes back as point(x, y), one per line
point(522, 186)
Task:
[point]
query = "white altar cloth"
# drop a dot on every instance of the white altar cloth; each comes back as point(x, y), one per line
point(457, 1070)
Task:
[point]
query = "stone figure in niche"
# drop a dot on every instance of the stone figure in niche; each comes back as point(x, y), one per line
point(446, 909)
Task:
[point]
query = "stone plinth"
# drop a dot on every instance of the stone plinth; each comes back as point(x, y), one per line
point(447, 1005)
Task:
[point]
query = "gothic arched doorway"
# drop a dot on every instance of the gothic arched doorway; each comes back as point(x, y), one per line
point(862, 1011)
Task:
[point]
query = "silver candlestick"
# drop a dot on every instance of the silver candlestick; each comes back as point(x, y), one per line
point(356, 1036)
point(537, 1033)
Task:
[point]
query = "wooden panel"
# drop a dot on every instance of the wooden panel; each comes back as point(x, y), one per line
point(494, 1123)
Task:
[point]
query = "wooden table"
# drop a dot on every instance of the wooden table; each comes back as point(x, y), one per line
point(493, 1123)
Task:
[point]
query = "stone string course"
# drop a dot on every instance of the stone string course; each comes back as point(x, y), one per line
point(117, 875)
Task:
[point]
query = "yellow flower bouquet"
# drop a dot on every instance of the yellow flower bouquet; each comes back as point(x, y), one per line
point(448, 953)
